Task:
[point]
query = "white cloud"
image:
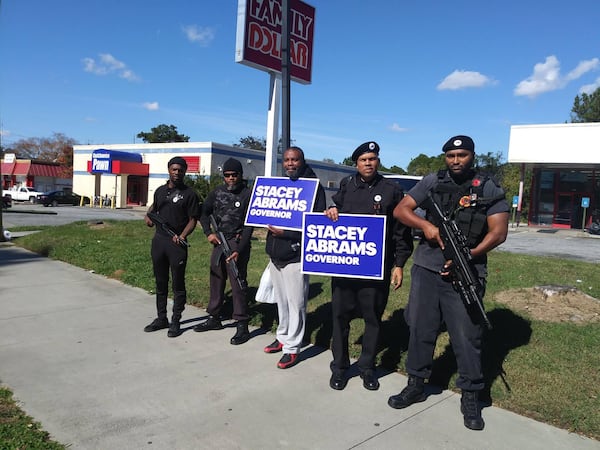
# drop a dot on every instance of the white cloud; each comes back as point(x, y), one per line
point(590, 88)
point(398, 128)
point(108, 64)
point(151, 106)
point(200, 35)
point(546, 76)
point(462, 79)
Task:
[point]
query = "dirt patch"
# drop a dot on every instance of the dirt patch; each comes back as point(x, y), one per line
point(97, 224)
point(552, 304)
point(117, 274)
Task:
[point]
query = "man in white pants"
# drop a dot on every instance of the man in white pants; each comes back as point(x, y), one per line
point(290, 286)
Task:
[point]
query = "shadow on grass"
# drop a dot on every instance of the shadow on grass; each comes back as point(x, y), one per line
point(509, 332)
point(393, 340)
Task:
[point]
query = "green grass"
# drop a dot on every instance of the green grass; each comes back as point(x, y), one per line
point(547, 371)
point(19, 431)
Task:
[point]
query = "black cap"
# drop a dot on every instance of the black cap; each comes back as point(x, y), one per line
point(178, 160)
point(233, 165)
point(459, 142)
point(367, 147)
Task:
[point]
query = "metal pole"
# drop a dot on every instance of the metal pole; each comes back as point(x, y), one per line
point(285, 74)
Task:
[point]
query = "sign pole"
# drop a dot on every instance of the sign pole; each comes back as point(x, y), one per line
point(273, 126)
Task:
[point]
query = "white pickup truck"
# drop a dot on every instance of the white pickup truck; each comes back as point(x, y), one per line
point(22, 194)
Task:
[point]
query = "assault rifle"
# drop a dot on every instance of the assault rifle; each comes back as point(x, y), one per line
point(227, 252)
point(162, 223)
point(457, 250)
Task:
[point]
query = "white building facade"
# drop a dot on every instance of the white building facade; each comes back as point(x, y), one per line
point(565, 162)
point(130, 173)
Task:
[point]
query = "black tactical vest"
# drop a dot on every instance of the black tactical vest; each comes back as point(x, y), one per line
point(464, 203)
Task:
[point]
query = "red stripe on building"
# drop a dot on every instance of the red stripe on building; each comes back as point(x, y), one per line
point(22, 168)
point(193, 163)
point(130, 168)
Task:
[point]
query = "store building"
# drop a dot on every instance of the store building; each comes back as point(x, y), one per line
point(130, 173)
point(565, 162)
point(42, 176)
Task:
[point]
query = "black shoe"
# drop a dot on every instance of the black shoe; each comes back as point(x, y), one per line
point(469, 407)
point(174, 329)
point(370, 381)
point(157, 324)
point(241, 335)
point(211, 324)
point(414, 392)
point(338, 381)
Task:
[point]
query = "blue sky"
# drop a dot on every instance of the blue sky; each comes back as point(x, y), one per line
point(408, 75)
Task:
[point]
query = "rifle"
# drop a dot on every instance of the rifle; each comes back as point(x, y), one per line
point(457, 250)
point(160, 222)
point(227, 252)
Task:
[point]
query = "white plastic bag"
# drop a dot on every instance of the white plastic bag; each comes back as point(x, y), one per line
point(264, 293)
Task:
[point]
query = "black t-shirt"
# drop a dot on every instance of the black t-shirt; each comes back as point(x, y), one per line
point(176, 205)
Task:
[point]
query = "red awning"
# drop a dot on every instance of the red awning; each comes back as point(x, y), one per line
point(22, 168)
point(7, 168)
point(45, 170)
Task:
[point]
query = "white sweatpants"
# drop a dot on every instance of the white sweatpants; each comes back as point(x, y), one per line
point(290, 288)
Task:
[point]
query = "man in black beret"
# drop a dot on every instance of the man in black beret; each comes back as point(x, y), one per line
point(366, 192)
point(476, 203)
point(179, 206)
point(228, 204)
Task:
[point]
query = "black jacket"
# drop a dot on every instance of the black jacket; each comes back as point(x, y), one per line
point(379, 197)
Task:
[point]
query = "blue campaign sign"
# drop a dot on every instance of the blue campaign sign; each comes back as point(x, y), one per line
point(351, 247)
point(281, 202)
point(585, 202)
point(515, 201)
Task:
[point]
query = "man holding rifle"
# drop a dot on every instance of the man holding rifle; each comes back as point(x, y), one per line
point(226, 208)
point(174, 212)
point(475, 204)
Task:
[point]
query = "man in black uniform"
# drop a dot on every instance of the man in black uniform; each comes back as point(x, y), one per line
point(366, 192)
point(228, 204)
point(179, 206)
point(477, 204)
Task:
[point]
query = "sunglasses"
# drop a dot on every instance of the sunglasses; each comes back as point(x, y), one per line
point(230, 175)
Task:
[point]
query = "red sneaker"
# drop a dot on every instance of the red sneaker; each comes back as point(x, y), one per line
point(287, 360)
point(274, 347)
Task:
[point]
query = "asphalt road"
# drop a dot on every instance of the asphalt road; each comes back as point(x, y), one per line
point(569, 244)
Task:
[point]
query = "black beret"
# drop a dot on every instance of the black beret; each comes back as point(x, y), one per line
point(177, 160)
point(459, 142)
point(367, 147)
point(233, 165)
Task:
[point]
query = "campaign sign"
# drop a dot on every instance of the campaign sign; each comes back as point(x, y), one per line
point(280, 202)
point(352, 247)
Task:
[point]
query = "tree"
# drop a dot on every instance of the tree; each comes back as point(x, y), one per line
point(252, 143)
point(489, 162)
point(347, 162)
point(423, 164)
point(58, 149)
point(586, 108)
point(163, 133)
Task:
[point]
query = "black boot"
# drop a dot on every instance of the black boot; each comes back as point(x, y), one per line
point(242, 334)
point(413, 392)
point(159, 323)
point(211, 324)
point(174, 328)
point(469, 407)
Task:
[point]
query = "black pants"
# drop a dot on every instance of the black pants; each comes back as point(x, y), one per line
point(433, 300)
point(357, 298)
point(169, 257)
point(220, 271)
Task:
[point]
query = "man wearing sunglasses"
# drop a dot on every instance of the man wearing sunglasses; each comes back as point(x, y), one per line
point(228, 204)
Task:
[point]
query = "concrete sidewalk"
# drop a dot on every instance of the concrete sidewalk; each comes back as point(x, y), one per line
point(73, 352)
